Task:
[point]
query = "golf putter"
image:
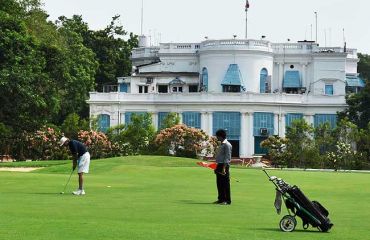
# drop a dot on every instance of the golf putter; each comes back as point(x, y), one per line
point(67, 182)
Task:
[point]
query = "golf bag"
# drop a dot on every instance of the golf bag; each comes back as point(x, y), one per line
point(311, 212)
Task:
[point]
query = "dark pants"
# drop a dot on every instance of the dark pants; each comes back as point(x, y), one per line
point(223, 183)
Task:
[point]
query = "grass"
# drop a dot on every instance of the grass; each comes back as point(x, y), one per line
point(162, 198)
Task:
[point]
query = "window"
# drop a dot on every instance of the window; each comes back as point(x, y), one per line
point(290, 117)
point(229, 121)
point(263, 81)
point(230, 88)
point(329, 90)
point(176, 89)
point(191, 119)
point(161, 117)
point(204, 80)
point(323, 118)
point(162, 88)
point(103, 122)
point(143, 89)
point(123, 87)
point(263, 120)
point(193, 88)
point(128, 116)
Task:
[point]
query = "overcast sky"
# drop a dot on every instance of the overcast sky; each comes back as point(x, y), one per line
point(192, 20)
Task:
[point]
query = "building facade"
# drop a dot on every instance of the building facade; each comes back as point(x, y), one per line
point(251, 88)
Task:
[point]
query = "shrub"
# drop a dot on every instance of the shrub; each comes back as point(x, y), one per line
point(44, 145)
point(183, 141)
point(97, 143)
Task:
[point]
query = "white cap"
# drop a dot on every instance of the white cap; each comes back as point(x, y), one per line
point(62, 141)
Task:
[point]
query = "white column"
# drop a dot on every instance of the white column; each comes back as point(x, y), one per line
point(282, 125)
point(309, 118)
point(250, 137)
point(180, 116)
point(204, 121)
point(281, 76)
point(304, 74)
point(243, 135)
point(210, 123)
point(122, 117)
point(155, 120)
point(276, 124)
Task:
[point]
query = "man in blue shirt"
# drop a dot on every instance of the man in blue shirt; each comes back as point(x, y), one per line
point(223, 158)
point(81, 159)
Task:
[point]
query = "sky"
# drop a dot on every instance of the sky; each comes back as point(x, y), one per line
point(193, 20)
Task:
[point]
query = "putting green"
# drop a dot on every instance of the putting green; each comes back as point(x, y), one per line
point(152, 197)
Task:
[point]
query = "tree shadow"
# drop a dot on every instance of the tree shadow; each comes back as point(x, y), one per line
point(187, 201)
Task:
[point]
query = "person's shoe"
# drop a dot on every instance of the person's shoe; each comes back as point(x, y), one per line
point(224, 203)
point(79, 192)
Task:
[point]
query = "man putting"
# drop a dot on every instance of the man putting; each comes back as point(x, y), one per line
point(81, 159)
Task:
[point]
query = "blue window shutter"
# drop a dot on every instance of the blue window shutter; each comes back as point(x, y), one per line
point(123, 87)
point(290, 117)
point(103, 122)
point(263, 120)
point(323, 118)
point(191, 119)
point(229, 121)
point(263, 79)
point(329, 89)
point(292, 79)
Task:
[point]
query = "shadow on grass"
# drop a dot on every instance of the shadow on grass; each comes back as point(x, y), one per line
point(194, 202)
point(295, 230)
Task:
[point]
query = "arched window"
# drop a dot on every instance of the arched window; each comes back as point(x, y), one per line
point(104, 122)
point(264, 85)
point(204, 82)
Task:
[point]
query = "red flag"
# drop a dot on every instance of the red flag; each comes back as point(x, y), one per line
point(246, 5)
point(211, 165)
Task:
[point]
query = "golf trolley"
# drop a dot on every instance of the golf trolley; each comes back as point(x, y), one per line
point(311, 212)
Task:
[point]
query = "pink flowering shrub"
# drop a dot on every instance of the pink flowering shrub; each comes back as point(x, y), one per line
point(44, 145)
point(184, 141)
point(98, 144)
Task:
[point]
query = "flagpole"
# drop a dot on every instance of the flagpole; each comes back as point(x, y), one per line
point(246, 18)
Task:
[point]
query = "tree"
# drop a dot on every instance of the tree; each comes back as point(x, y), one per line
point(301, 151)
point(170, 120)
point(111, 50)
point(358, 110)
point(135, 137)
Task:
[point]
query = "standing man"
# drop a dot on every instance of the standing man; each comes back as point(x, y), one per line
point(223, 158)
point(81, 159)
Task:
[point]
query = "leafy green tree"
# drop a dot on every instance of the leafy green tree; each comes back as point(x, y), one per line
point(73, 124)
point(26, 92)
point(135, 137)
point(170, 120)
point(111, 50)
point(301, 151)
point(358, 110)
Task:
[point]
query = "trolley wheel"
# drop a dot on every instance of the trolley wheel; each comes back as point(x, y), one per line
point(288, 223)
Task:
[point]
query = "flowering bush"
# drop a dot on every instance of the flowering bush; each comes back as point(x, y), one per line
point(97, 143)
point(44, 145)
point(277, 149)
point(183, 141)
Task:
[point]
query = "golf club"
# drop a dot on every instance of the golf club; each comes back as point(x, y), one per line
point(67, 181)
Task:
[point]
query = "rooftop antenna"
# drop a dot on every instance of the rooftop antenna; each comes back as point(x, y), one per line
point(246, 18)
point(344, 42)
point(316, 25)
point(142, 16)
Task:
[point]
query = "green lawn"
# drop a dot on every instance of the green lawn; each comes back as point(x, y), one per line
point(169, 198)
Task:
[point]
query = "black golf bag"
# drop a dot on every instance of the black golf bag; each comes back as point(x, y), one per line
point(311, 212)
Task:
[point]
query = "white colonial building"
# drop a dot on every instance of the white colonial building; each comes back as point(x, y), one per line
point(251, 88)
